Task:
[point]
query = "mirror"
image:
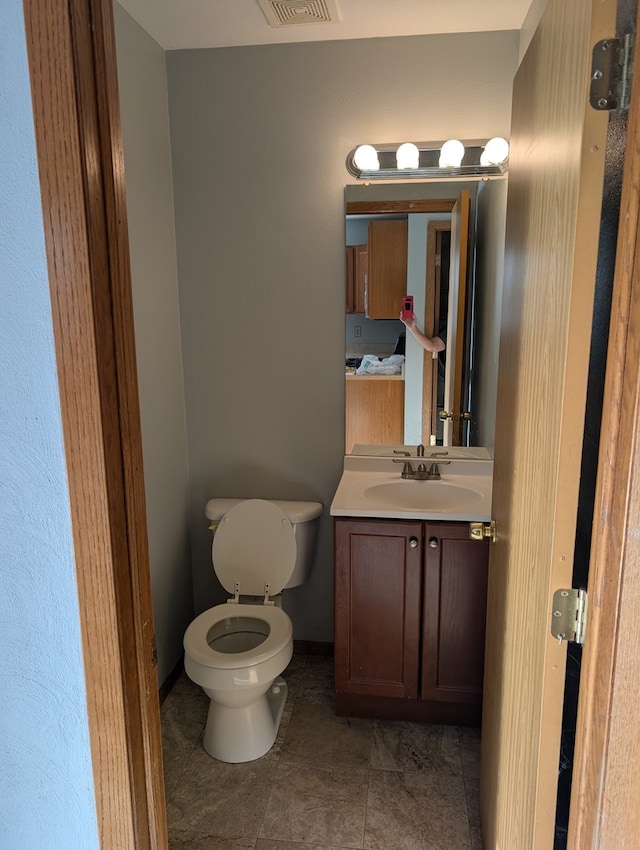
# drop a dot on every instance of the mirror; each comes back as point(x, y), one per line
point(401, 239)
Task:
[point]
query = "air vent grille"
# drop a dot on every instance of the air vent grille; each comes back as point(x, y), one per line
point(284, 13)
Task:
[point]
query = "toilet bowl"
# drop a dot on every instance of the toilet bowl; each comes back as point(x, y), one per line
point(236, 651)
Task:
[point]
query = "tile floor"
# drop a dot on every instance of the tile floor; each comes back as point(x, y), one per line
point(328, 782)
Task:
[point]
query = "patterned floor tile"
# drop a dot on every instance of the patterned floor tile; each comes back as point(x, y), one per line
point(316, 805)
point(416, 811)
point(315, 735)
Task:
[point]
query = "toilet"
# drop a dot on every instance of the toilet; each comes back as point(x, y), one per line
point(236, 651)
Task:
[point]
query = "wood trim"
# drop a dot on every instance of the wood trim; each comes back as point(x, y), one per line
point(606, 776)
point(76, 113)
point(430, 205)
point(167, 686)
point(460, 223)
point(431, 316)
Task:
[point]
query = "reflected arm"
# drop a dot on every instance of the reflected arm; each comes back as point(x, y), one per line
point(434, 344)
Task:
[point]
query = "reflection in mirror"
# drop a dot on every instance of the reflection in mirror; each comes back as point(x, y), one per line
point(403, 239)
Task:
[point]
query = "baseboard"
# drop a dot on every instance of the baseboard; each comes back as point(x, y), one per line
point(312, 647)
point(167, 686)
point(300, 647)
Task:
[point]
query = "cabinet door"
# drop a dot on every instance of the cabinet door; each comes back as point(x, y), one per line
point(351, 279)
point(377, 607)
point(361, 270)
point(374, 408)
point(387, 278)
point(357, 268)
point(455, 601)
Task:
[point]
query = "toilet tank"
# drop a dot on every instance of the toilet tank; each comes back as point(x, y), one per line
point(305, 519)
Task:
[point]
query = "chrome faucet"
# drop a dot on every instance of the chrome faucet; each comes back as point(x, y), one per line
point(418, 474)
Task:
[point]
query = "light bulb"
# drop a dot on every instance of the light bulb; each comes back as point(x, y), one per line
point(407, 156)
point(495, 151)
point(366, 158)
point(451, 154)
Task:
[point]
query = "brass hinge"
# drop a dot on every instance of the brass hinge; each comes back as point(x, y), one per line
point(611, 71)
point(480, 531)
point(569, 617)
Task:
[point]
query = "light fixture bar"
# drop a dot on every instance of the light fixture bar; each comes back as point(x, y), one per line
point(428, 163)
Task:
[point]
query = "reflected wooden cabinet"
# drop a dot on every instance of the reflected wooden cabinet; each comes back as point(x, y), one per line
point(410, 609)
point(357, 269)
point(374, 406)
point(387, 261)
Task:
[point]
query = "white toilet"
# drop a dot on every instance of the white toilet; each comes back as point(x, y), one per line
point(237, 651)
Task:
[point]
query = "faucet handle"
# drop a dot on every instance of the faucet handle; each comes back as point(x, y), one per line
point(407, 469)
point(433, 473)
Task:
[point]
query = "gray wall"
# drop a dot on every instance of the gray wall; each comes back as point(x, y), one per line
point(259, 140)
point(46, 780)
point(145, 128)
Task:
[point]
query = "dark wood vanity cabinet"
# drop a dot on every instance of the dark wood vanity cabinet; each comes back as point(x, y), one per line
point(410, 608)
point(378, 580)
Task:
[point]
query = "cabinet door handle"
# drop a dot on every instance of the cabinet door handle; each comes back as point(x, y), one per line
point(433, 542)
point(413, 542)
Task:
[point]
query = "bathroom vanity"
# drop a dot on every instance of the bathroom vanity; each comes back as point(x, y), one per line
point(410, 588)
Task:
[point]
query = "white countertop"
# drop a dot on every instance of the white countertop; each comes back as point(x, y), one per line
point(373, 487)
point(453, 452)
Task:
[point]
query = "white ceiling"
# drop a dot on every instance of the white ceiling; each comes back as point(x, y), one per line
point(177, 24)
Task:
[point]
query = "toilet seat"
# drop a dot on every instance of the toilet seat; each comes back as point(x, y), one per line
point(246, 532)
point(197, 646)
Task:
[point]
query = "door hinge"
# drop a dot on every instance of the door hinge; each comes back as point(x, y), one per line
point(611, 71)
point(480, 531)
point(569, 617)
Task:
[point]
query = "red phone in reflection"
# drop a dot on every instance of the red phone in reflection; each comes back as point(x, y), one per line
point(407, 306)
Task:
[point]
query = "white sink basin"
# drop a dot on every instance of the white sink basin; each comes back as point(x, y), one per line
point(372, 487)
point(423, 495)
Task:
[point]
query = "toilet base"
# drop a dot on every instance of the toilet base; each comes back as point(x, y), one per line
point(247, 732)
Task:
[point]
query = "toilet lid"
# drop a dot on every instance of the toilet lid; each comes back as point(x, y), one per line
point(254, 545)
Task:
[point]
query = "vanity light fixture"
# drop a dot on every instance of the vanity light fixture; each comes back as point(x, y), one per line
point(476, 159)
point(495, 151)
point(366, 158)
point(407, 156)
point(451, 154)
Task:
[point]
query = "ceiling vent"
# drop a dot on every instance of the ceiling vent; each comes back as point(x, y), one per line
point(284, 13)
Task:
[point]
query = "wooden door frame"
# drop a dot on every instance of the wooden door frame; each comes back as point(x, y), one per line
point(74, 93)
point(71, 50)
point(603, 811)
point(435, 230)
